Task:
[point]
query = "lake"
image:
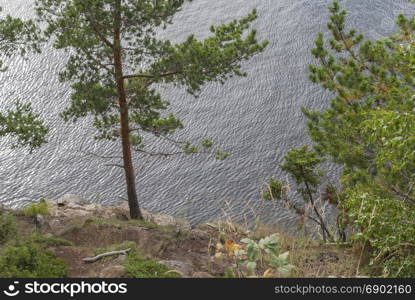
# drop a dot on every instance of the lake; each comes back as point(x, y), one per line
point(257, 118)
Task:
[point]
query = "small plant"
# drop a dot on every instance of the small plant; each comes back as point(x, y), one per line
point(274, 190)
point(8, 227)
point(40, 208)
point(256, 259)
point(30, 261)
point(263, 255)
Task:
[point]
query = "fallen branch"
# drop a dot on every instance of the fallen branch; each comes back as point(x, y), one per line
point(98, 257)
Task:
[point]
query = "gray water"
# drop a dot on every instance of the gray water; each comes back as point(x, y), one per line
point(257, 119)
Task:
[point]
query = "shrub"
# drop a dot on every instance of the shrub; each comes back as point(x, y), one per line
point(40, 208)
point(387, 226)
point(30, 261)
point(7, 227)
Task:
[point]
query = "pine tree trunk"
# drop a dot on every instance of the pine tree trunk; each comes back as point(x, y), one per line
point(135, 212)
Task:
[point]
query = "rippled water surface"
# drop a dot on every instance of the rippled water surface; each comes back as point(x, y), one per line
point(256, 118)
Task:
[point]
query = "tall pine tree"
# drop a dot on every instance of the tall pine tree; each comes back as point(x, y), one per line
point(116, 60)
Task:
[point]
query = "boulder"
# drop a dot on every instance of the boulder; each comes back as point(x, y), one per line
point(166, 220)
point(70, 199)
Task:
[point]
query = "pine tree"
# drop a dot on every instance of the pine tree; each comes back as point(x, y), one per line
point(369, 131)
point(21, 37)
point(116, 60)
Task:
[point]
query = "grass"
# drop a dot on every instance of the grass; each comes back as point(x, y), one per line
point(40, 208)
point(49, 241)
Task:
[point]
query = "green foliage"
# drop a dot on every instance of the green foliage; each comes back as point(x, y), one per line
point(8, 227)
point(40, 208)
point(30, 261)
point(274, 190)
point(24, 125)
point(207, 143)
point(17, 36)
point(301, 164)
point(369, 130)
point(389, 227)
point(140, 267)
point(263, 254)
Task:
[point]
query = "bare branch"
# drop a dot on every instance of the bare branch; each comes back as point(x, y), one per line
point(112, 253)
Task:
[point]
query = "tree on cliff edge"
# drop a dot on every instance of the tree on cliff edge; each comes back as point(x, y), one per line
point(115, 60)
point(19, 121)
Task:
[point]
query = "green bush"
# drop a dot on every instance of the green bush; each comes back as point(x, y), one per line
point(30, 261)
point(7, 227)
point(386, 226)
point(40, 208)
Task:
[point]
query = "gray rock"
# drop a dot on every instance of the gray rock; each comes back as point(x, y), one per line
point(185, 268)
point(70, 199)
point(40, 221)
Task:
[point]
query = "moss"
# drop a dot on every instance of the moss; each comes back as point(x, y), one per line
point(40, 208)
point(8, 228)
point(138, 266)
point(30, 261)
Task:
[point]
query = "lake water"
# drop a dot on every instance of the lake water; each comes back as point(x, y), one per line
point(257, 119)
